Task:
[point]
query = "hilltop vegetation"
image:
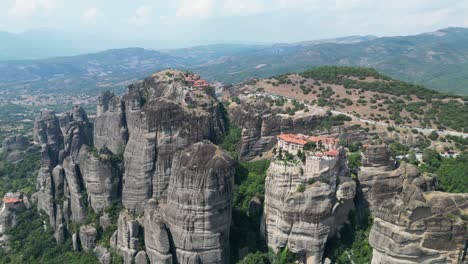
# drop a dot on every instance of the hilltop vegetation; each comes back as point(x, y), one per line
point(367, 94)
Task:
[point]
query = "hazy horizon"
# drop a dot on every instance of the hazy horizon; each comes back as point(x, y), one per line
point(103, 24)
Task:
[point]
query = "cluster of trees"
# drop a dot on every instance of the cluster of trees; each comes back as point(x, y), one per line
point(245, 230)
point(31, 241)
point(451, 172)
point(442, 110)
point(352, 246)
point(281, 257)
point(19, 176)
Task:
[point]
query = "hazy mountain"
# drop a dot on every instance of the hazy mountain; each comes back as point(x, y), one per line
point(38, 44)
point(438, 60)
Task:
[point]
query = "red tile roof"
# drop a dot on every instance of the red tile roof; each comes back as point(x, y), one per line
point(201, 83)
point(333, 152)
point(12, 200)
point(302, 139)
point(291, 138)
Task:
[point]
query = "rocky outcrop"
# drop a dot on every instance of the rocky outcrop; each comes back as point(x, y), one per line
point(302, 214)
point(110, 128)
point(74, 203)
point(8, 211)
point(102, 181)
point(141, 258)
point(13, 147)
point(157, 242)
point(88, 235)
point(78, 134)
point(48, 135)
point(260, 127)
point(420, 227)
point(412, 223)
point(126, 238)
point(163, 117)
point(195, 217)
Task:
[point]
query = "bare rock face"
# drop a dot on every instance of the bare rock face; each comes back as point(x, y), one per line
point(141, 258)
point(156, 235)
point(102, 181)
point(110, 128)
point(78, 133)
point(196, 216)
point(103, 255)
point(16, 142)
point(260, 127)
point(162, 117)
point(13, 147)
point(412, 224)
point(88, 235)
point(48, 135)
point(45, 193)
point(304, 220)
point(125, 238)
point(377, 157)
point(73, 194)
point(426, 229)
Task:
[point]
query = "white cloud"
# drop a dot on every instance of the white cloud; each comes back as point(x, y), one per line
point(33, 7)
point(197, 8)
point(91, 14)
point(142, 16)
point(210, 8)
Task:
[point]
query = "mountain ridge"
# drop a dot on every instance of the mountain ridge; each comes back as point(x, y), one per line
point(438, 60)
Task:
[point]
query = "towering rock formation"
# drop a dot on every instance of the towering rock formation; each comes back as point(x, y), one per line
point(79, 133)
point(13, 147)
point(74, 200)
point(59, 183)
point(126, 238)
point(163, 116)
point(193, 221)
point(102, 180)
point(48, 135)
point(301, 213)
point(110, 127)
point(412, 223)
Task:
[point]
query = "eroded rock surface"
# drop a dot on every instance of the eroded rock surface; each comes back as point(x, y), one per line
point(196, 215)
point(412, 223)
point(163, 117)
point(260, 126)
point(304, 220)
point(110, 127)
point(126, 238)
point(102, 181)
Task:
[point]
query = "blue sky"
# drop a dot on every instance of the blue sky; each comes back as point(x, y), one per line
point(179, 23)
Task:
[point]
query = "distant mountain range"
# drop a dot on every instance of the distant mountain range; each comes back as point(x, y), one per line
point(438, 60)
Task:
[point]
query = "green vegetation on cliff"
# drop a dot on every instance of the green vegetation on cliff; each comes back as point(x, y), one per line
point(32, 241)
point(353, 244)
point(451, 172)
point(245, 230)
point(19, 176)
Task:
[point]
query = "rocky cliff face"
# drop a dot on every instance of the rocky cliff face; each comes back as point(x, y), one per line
point(163, 117)
point(152, 144)
point(13, 147)
point(260, 126)
point(65, 143)
point(102, 180)
point(412, 223)
point(303, 220)
point(110, 127)
point(193, 221)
